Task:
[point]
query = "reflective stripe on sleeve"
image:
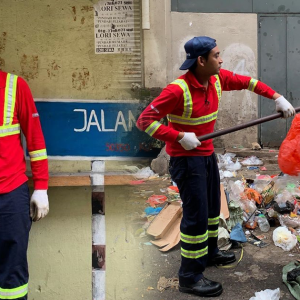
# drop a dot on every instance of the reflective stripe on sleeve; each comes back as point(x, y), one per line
point(14, 293)
point(38, 155)
point(151, 129)
point(252, 84)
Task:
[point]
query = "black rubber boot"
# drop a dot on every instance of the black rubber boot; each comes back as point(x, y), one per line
point(222, 258)
point(204, 288)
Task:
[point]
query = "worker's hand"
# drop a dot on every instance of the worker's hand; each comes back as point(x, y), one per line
point(189, 141)
point(285, 106)
point(39, 205)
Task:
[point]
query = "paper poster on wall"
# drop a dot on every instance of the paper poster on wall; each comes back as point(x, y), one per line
point(114, 26)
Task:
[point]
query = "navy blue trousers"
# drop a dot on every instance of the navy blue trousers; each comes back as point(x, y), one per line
point(198, 180)
point(15, 224)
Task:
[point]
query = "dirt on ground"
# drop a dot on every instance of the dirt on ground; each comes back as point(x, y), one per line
point(259, 268)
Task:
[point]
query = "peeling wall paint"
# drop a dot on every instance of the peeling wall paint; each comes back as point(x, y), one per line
point(51, 44)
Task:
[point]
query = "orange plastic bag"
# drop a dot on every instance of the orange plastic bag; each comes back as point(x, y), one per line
point(156, 200)
point(253, 194)
point(289, 152)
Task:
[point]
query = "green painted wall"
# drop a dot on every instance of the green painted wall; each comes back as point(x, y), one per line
point(60, 247)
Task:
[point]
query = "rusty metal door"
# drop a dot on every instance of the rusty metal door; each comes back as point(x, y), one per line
point(279, 51)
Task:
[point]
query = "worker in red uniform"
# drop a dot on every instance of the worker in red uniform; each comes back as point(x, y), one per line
point(17, 209)
point(191, 104)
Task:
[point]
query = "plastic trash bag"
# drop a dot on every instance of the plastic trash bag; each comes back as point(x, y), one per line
point(289, 151)
point(226, 162)
point(284, 239)
point(237, 234)
point(252, 161)
point(225, 159)
point(229, 174)
point(144, 173)
point(267, 294)
point(221, 174)
point(291, 278)
point(233, 166)
point(287, 221)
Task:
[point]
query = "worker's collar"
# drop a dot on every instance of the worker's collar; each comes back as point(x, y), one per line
point(193, 80)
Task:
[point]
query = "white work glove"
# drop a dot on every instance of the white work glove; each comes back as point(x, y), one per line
point(189, 141)
point(285, 106)
point(39, 205)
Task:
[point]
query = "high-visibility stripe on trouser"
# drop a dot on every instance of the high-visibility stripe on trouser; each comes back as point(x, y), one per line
point(213, 221)
point(190, 239)
point(197, 178)
point(15, 225)
point(213, 229)
point(15, 293)
point(194, 254)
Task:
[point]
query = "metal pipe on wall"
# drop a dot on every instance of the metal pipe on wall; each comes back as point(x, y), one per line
point(145, 14)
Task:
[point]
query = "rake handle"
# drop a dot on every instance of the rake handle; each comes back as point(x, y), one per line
point(242, 126)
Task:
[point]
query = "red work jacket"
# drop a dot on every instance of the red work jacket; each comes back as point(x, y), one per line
point(191, 107)
point(19, 113)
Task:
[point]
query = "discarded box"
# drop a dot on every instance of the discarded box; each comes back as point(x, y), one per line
point(164, 220)
point(171, 237)
point(165, 228)
point(224, 205)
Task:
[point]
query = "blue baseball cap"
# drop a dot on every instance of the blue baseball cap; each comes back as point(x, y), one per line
point(196, 47)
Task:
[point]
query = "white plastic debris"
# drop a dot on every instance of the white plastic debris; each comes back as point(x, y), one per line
point(221, 174)
point(226, 162)
point(252, 161)
point(284, 239)
point(234, 166)
point(267, 295)
point(229, 174)
point(144, 173)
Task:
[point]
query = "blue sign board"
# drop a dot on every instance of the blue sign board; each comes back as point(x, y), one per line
point(93, 129)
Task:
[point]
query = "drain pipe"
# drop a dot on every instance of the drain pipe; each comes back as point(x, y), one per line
point(146, 14)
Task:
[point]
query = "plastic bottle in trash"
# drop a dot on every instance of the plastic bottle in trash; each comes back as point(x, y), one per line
point(263, 223)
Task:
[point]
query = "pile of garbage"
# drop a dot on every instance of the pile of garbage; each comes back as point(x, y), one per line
point(267, 201)
point(228, 167)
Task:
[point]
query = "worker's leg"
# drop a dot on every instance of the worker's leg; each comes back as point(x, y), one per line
point(189, 173)
point(15, 224)
point(214, 206)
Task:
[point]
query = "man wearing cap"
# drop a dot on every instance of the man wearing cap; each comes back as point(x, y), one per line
point(191, 104)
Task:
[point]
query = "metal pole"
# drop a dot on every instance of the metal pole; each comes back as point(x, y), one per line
point(242, 126)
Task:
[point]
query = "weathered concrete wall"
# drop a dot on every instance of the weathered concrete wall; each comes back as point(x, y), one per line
point(124, 255)
point(238, 44)
point(51, 45)
point(60, 247)
point(156, 44)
